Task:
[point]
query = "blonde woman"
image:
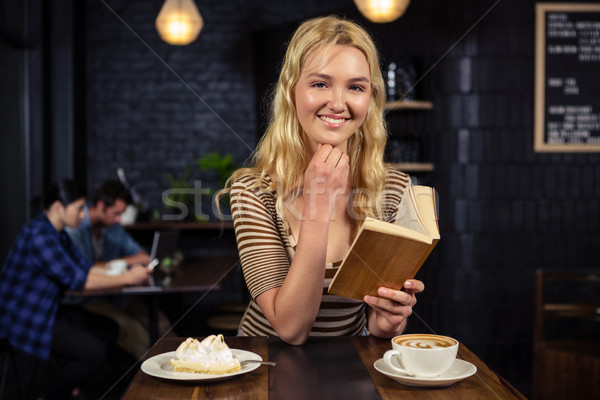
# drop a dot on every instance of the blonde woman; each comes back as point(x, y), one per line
point(318, 172)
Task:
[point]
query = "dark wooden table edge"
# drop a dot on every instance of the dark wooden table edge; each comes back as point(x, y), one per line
point(510, 387)
point(503, 382)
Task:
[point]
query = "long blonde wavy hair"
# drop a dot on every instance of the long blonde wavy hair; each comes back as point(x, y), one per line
point(281, 151)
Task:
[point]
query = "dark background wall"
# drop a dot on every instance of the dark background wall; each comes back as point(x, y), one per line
point(505, 211)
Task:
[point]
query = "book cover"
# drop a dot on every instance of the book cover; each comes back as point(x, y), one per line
point(387, 254)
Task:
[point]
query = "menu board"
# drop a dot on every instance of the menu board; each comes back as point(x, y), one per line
point(567, 77)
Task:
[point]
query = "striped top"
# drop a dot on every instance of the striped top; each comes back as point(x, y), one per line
point(266, 247)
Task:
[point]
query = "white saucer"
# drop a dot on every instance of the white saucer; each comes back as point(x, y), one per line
point(459, 370)
point(160, 367)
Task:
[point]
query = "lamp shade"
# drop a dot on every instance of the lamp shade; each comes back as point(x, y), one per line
point(179, 22)
point(381, 11)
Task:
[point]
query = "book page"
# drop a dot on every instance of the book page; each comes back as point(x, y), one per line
point(375, 225)
point(407, 215)
point(427, 208)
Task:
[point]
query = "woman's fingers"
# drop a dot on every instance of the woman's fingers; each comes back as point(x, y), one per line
point(391, 300)
point(325, 179)
point(414, 286)
point(394, 306)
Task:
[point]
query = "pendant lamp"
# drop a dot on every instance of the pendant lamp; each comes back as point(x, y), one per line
point(179, 22)
point(381, 11)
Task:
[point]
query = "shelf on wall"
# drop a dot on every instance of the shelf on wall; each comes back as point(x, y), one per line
point(414, 166)
point(408, 105)
point(411, 105)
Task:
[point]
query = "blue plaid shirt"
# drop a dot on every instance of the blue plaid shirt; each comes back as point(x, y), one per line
point(40, 266)
point(116, 242)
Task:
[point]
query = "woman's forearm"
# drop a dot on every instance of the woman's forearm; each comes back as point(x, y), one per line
point(292, 308)
point(102, 281)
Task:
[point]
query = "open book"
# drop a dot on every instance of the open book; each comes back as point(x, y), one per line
point(387, 254)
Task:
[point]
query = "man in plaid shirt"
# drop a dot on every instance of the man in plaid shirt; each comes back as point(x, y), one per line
point(67, 342)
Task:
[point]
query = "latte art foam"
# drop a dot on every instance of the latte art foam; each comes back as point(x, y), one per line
point(424, 341)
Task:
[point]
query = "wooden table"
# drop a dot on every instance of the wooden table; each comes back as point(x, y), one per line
point(485, 384)
point(195, 276)
point(162, 225)
point(327, 368)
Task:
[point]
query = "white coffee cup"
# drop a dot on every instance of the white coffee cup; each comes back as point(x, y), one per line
point(116, 267)
point(422, 355)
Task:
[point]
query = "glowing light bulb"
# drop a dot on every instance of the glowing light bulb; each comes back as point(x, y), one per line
point(179, 22)
point(381, 11)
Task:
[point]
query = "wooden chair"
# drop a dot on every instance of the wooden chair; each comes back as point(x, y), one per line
point(566, 353)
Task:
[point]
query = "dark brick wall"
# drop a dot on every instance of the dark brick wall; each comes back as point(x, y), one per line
point(504, 210)
point(153, 108)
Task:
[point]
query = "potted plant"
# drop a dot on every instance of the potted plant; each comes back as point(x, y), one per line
point(194, 190)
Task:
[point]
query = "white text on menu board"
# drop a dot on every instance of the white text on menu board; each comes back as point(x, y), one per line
point(575, 123)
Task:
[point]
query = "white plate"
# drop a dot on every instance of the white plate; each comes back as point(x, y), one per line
point(160, 367)
point(459, 370)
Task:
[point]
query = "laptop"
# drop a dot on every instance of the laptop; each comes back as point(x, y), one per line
point(164, 245)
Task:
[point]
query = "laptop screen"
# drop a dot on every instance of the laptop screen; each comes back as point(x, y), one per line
point(163, 245)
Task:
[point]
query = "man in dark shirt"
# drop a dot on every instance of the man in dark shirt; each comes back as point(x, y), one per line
point(42, 264)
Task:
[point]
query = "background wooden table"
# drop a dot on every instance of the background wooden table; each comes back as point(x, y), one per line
point(194, 276)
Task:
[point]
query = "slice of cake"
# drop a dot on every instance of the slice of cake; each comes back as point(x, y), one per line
point(211, 356)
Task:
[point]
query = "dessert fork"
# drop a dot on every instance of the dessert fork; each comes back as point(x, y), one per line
point(271, 363)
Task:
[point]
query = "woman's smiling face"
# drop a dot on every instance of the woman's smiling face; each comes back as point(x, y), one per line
point(332, 95)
